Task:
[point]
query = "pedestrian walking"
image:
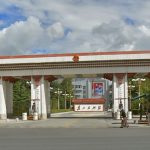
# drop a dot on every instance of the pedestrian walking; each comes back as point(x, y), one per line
point(123, 117)
point(33, 108)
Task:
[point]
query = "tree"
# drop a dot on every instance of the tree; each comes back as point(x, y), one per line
point(67, 88)
point(21, 97)
point(54, 96)
point(144, 94)
point(146, 91)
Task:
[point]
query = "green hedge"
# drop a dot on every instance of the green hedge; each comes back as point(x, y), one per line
point(135, 111)
point(60, 110)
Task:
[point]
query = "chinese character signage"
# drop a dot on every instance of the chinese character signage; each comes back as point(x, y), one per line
point(88, 107)
point(97, 89)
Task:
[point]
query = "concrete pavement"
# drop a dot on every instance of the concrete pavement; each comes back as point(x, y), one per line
point(74, 138)
point(72, 120)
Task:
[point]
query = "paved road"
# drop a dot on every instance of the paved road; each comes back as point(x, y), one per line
point(73, 131)
point(71, 120)
point(74, 139)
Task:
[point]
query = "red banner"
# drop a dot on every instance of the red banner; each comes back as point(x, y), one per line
point(97, 89)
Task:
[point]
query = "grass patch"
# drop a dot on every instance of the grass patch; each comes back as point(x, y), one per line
point(60, 110)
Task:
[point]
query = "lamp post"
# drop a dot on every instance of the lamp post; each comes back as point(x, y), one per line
point(70, 96)
point(51, 102)
point(139, 80)
point(58, 98)
point(65, 94)
point(130, 96)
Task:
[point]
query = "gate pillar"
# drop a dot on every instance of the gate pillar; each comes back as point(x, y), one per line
point(120, 92)
point(39, 95)
point(9, 98)
point(3, 113)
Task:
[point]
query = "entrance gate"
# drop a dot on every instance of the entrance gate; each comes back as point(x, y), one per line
point(42, 69)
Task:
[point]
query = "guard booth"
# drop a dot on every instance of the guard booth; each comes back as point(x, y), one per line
point(89, 105)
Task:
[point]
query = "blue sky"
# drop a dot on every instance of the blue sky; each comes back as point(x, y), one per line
point(10, 16)
point(66, 26)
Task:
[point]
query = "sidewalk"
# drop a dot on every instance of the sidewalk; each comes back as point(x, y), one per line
point(72, 120)
point(132, 123)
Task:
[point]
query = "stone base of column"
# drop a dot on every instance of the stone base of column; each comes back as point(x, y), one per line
point(43, 116)
point(3, 117)
point(48, 115)
point(129, 114)
point(10, 115)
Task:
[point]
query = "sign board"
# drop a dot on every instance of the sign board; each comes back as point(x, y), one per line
point(97, 89)
point(88, 107)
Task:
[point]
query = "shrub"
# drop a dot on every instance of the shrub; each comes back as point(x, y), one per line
point(135, 111)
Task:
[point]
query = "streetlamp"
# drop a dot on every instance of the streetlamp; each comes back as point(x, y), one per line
point(51, 102)
point(71, 95)
point(65, 94)
point(58, 98)
point(70, 99)
point(139, 80)
point(130, 96)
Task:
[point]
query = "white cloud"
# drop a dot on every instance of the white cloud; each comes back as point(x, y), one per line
point(23, 36)
point(20, 36)
point(92, 26)
point(145, 30)
point(55, 31)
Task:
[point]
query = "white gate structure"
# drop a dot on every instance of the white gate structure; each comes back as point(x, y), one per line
point(40, 70)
